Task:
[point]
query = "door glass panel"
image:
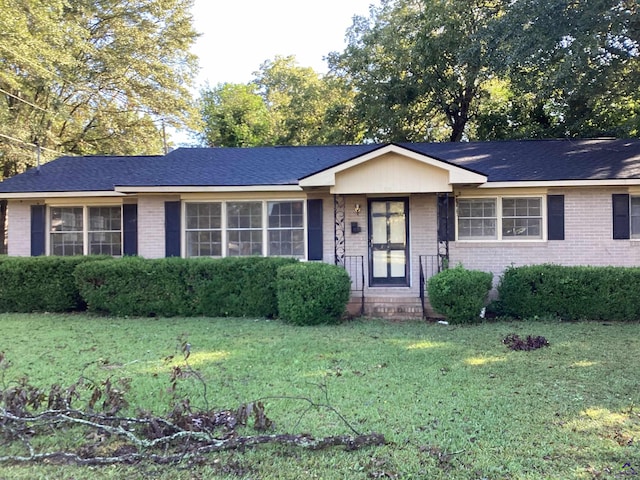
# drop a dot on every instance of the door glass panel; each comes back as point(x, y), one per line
point(379, 229)
point(396, 208)
point(397, 231)
point(396, 257)
point(379, 264)
point(379, 207)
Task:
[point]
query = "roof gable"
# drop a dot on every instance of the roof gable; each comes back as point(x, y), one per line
point(392, 169)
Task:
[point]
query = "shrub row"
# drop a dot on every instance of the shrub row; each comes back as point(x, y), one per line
point(540, 291)
point(305, 293)
point(41, 284)
point(570, 293)
point(242, 286)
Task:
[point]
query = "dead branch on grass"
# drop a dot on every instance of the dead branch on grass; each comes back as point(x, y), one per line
point(185, 434)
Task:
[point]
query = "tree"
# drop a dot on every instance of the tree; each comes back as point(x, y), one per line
point(285, 104)
point(299, 100)
point(91, 76)
point(419, 66)
point(579, 59)
point(234, 115)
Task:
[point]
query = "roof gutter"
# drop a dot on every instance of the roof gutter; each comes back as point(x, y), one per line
point(24, 195)
point(209, 188)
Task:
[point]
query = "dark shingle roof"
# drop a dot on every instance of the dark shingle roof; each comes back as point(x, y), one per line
point(542, 160)
point(184, 167)
point(248, 166)
point(69, 174)
point(527, 160)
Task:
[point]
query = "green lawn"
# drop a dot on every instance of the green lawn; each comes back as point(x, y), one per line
point(452, 402)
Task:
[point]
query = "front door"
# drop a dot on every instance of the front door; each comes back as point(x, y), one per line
point(388, 252)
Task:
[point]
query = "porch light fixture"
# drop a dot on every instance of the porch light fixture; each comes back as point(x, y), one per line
point(356, 208)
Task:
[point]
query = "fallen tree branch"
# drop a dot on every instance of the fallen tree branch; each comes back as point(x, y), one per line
point(184, 434)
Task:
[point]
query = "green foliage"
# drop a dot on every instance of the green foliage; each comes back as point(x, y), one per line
point(133, 286)
point(427, 70)
point(40, 284)
point(459, 294)
point(419, 67)
point(580, 61)
point(89, 77)
point(312, 293)
point(243, 286)
point(286, 104)
point(570, 293)
point(234, 115)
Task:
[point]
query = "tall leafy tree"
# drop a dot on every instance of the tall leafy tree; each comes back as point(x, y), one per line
point(285, 104)
point(234, 115)
point(579, 60)
point(419, 66)
point(91, 76)
point(304, 107)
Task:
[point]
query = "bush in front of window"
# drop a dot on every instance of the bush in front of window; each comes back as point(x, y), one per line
point(570, 292)
point(239, 286)
point(312, 293)
point(459, 294)
point(41, 284)
point(133, 286)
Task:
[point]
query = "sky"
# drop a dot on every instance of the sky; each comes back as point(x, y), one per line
point(239, 35)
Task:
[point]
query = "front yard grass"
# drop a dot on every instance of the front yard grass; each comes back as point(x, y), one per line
point(452, 401)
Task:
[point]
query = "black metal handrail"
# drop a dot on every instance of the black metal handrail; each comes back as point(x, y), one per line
point(429, 266)
point(354, 265)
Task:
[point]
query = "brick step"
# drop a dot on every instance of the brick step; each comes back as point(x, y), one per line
point(393, 308)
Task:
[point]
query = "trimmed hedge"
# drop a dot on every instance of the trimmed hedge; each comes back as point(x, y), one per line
point(570, 292)
point(41, 284)
point(312, 293)
point(132, 286)
point(459, 294)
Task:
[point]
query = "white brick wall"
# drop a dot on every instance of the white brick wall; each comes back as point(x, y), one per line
point(19, 228)
point(151, 226)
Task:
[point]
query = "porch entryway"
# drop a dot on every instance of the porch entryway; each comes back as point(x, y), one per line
point(388, 242)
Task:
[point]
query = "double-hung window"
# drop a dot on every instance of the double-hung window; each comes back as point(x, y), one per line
point(204, 229)
point(522, 218)
point(85, 230)
point(285, 229)
point(243, 228)
point(500, 218)
point(477, 218)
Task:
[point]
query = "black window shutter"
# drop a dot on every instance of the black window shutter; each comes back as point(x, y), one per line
point(172, 229)
point(621, 222)
point(130, 227)
point(314, 229)
point(555, 217)
point(38, 223)
point(446, 218)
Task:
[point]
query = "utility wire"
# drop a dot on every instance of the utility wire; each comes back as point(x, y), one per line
point(27, 102)
point(30, 144)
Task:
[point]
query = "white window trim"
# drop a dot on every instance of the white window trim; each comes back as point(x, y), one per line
point(499, 218)
point(633, 237)
point(223, 220)
point(85, 225)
